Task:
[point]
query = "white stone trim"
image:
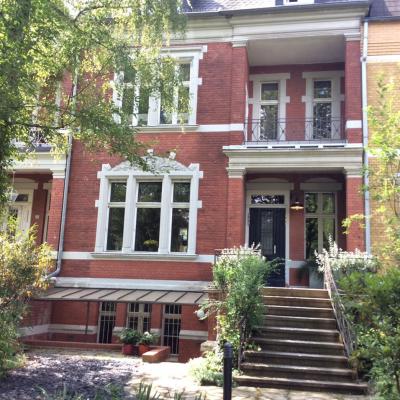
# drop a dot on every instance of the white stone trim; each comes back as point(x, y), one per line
point(33, 330)
point(298, 2)
point(145, 284)
point(337, 97)
point(42, 162)
point(321, 186)
point(84, 255)
point(354, 124)
point(274, 186)
point(25, 185)
point(193, 335)
point(47, 186)
point(71, 328)
point(214, 128)
point(386, 58)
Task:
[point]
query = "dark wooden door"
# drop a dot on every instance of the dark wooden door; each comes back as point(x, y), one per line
point(267, 228)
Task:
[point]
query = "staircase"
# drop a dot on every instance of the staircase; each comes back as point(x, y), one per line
point(300, 345)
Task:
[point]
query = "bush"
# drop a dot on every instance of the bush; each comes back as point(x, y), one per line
point(372, 303)
point(207, 370)
point(129, 336)
point(23, 267)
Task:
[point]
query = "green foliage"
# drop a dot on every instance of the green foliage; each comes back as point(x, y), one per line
point(207, 370)
point(129, 336)
point(23, 267)
point(144, 392)
point(44, 43)
point(372, 303)
point(148, 338)
point(110, 392)
point(239, 274)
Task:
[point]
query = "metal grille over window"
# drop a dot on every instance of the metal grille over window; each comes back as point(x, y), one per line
point(139, 317)
point(180, 217)
point(172, 327)
point(116, 214)
point(106, 321)
point(322, 110)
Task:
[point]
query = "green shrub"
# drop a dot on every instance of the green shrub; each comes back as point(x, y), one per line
point(372, 303)
point(129, 336)
point(207, 370)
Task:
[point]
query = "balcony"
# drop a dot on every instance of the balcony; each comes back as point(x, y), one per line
point(312, 131)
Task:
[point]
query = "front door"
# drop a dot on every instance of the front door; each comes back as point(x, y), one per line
point(267, 228)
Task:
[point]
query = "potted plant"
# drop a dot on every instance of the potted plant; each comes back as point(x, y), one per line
point(145, 341)
point(129, 338)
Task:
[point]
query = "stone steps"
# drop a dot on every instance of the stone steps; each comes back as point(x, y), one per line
point(299, 345)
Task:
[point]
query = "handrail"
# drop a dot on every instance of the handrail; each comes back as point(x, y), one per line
point(345, 329)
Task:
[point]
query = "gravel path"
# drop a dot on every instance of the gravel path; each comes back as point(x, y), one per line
point(83, 373)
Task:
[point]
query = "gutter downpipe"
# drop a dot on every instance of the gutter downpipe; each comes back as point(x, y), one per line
point(367, 204)
point(57, 271)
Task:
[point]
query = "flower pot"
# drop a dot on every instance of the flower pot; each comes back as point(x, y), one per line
point(128, 349)
point(143, 348)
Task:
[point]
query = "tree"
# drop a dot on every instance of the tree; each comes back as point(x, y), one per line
point(384, 170)
point(57, 59)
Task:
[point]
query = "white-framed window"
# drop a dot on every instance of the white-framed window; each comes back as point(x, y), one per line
point(320, 221)
point(172, 327)
point(269, 106)
point(146, 213)
point(323, 105)
point(144, 109)
point(139, 317)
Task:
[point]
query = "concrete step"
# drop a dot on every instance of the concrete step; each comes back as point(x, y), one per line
point(303, 384)
point(295, 311)
point(300, 346)
point(300, 322)
point(297, 301)
point(296, 359)
point(295, 292)
point(314, 335)
point(299, 372)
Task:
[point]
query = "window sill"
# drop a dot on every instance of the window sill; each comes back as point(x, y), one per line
point(143, 256)
point(167, 128)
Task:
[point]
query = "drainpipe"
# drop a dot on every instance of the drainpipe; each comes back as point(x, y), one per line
point(367, 204)
point(57, 271)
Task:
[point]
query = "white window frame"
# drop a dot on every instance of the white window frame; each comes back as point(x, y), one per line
point(308, 99)
point(320, 216)
point(140, 315)
point(191, 55)
point(133, 177)
point(258, 80)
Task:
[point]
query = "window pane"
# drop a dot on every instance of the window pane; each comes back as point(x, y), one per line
point(179, 230)
point(22, 197)
point(311, 200)
point(150, 192)
point(322, 89)
point(328, 231)
point(269, 91)
point(184, 71)
point(311, 237)
point(115, 228)
point(128, 98)
point(129, 74)
point(181, 192)
point(269, 121)
point(147, 229)
point(267, 199)
point(143, 106)
point(183, 99)
point(328, 203)
point(118, 190)
point(322, 124)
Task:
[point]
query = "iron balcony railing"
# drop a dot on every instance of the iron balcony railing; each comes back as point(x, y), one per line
point(263, 130)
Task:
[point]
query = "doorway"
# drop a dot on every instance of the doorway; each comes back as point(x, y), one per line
point(268, 228)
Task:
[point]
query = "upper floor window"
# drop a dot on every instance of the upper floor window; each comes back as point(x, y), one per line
point(145, 213)
point(140, 107)
point(269, 112)
point(322, 109)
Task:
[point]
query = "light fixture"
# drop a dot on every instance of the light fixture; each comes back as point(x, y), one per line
point(200, 314)
point(297, 205)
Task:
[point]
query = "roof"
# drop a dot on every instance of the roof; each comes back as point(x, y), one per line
point(385, 9)
point(207, 6)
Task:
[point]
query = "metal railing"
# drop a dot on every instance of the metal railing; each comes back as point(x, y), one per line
point(345, 328)
point(294, 129)
point(36, 141)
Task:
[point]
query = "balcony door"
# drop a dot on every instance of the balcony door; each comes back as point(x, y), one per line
point(269, 111)
point(268, 229)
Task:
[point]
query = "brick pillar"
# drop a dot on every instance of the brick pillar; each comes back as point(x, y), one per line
point(355, 205)
point(53, 230)
point(236, 212)
point(353, 102)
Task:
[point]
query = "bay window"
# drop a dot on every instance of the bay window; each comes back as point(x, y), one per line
point(144, 213)
point(320, 221)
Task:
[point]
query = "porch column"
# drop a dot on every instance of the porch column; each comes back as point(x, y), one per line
point(235, 227)
point(56, 200)
point(354, 205)
point(353, 104)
